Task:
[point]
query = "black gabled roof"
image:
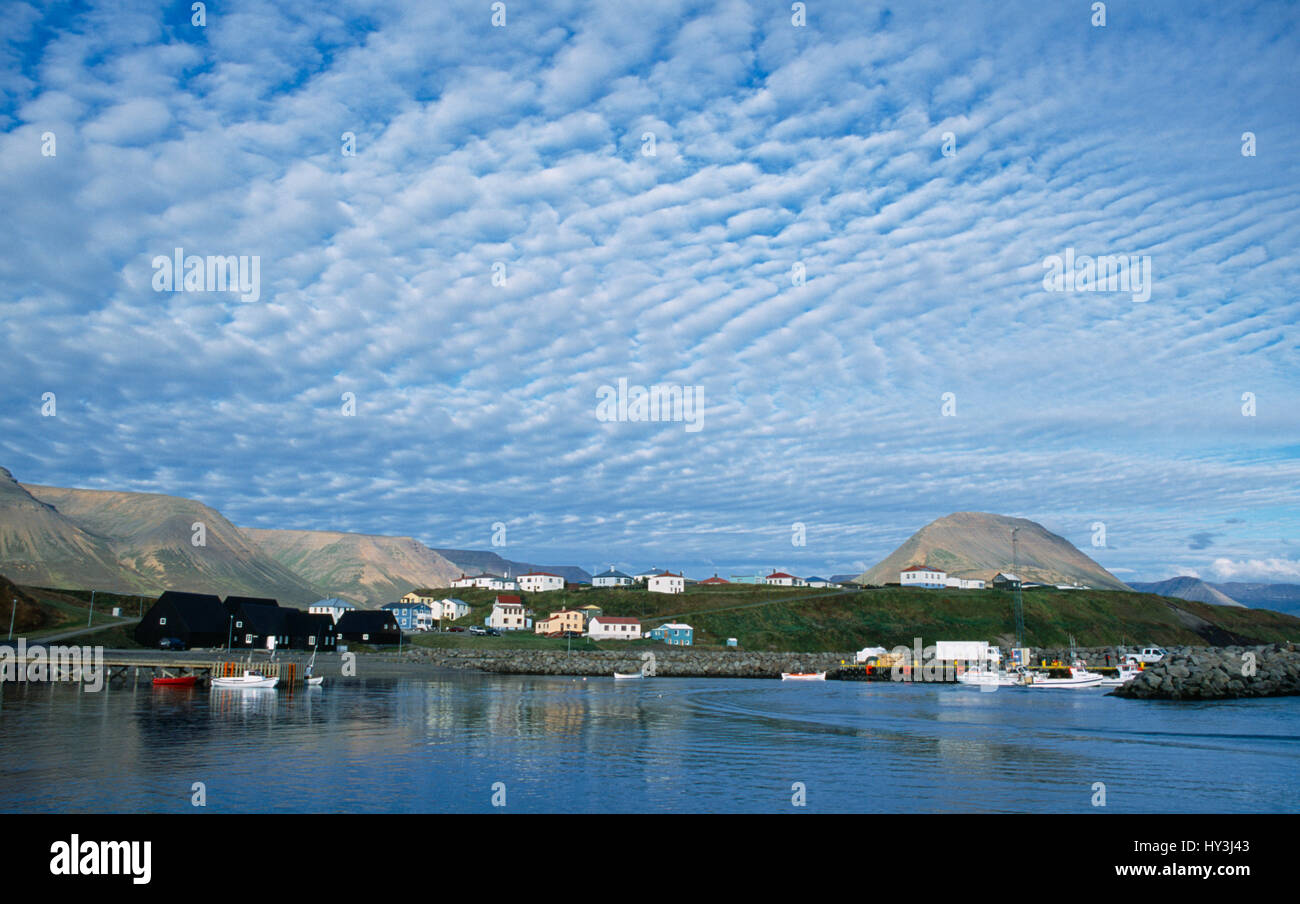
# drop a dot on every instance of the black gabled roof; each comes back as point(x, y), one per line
point(201, 612)
point(367, 620)
point(302, 623)
point(268, 620)
point(233, 603)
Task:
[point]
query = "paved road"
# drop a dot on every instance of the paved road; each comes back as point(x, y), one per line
point(64, 635)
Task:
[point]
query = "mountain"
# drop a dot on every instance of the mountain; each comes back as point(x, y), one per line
point(39, 546)
point(150, 536)
point(1187, 588)
point(471, 561)
point(978, 545)
point(365, 568)
point(1279, 597)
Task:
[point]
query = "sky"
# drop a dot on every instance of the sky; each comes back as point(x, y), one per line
point(834, 235)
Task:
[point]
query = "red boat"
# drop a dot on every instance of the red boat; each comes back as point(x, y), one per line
point(186, 681)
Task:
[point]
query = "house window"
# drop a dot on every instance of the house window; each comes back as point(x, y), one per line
point(162, 621)
point(365, 636)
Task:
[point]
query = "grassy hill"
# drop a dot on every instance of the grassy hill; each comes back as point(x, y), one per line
point(806, 620)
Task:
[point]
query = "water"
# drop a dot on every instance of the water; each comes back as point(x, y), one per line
point(694, 745)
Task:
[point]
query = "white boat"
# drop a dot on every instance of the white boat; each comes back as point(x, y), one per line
point(803, 676)
point(247, 680)
point(1124, 675)
point(311, 663)
point(993, 678)
point(1064, 677)
point(621, 676)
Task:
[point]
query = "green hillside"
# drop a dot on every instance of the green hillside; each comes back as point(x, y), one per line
point(805, 620)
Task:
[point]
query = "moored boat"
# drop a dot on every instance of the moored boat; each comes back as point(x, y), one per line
point(246, 680)
point(803, 676)
point(626, 676)
point(983, 677)
point(182, 681)
point(1064, 677)
point(1123, 675)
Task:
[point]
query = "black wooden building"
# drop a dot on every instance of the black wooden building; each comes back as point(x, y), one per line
point(198, 619)
point(377, 626)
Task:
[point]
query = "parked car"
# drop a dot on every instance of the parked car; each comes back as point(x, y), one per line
point(456, 630)
point(477, 630)
point(172, 643)
point(493, 631)
point(1147, 656)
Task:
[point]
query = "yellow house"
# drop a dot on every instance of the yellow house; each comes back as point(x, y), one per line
point(557, 622)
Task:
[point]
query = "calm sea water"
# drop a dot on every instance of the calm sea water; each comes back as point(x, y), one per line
point(693, 745)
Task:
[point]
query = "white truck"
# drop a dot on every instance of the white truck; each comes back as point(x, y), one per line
point(1147, 656)
point(969, 651)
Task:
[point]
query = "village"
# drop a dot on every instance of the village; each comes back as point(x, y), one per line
point(180, 620)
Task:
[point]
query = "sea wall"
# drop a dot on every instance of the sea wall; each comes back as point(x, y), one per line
point(674, 663)
point(1219, 673)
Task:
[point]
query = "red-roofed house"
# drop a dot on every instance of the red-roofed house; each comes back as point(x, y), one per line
point(666, 582)
point(781, 579)
point(612, 627)
point(715, 580)
point(510, 614)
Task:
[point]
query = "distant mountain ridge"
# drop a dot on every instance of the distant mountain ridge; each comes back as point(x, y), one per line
point(1188, 588)
point(1253, 595)
point(978, 545)
point(471, 561)
point(144, 543)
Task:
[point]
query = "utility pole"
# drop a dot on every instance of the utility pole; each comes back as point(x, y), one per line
point(1015, 575)
point(12, 612)
point(91, 616)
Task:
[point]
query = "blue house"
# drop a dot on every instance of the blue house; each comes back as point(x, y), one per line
point(411, 616)
point(674, 634)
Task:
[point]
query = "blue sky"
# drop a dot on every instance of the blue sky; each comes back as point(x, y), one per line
point(774, 146)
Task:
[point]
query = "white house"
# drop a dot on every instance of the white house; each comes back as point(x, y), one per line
point(611, 627)
point(540, 582)
point(450, 609)
point(922, 576)
point(510, 614)
point(486, 581)
point(646, 575)
point(666, 582)
point(963, 583)
point(781, 579)
point(815, 581)
point(612, 578)
point(333, 607)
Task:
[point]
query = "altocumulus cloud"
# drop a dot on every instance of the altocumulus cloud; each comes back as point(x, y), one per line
point(775, 148)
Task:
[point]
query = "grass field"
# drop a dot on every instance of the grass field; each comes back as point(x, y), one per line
point(807, 620)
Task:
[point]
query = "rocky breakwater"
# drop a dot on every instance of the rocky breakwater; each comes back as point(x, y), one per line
point(1219, 673)
point(677, 663)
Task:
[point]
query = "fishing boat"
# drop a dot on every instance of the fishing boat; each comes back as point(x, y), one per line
point(1064, 677)
point(183, 681)
point(626, 676)
point(983, 677)
point(246, 680)
point(803, 676)
point(1123, 675)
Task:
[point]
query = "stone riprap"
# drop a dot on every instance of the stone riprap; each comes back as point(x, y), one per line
point(677, 663)
point(1219, 673)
